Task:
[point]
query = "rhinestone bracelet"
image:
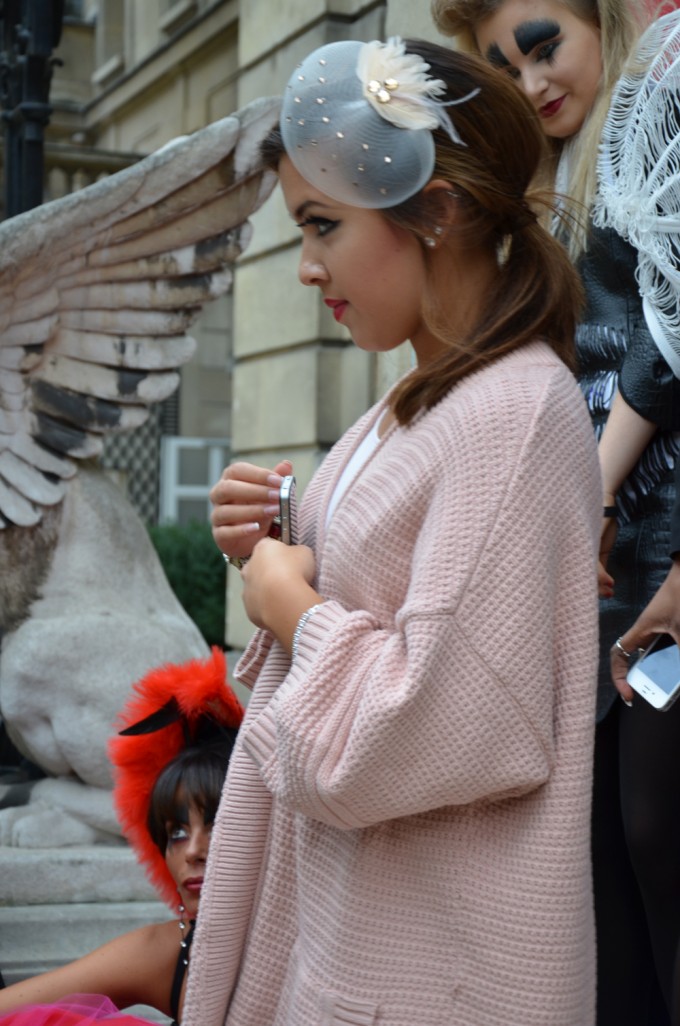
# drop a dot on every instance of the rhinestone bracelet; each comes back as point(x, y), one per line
point(301, 626)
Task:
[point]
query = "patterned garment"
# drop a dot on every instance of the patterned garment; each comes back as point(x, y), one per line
point(616, 350)
point(630, 337)
point(638, 173)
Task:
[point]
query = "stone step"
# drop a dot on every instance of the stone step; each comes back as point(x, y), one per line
point(46, 876)
point(35, 938)
point(57, 904)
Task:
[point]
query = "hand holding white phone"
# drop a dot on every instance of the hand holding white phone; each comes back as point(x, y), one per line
point(656, 674)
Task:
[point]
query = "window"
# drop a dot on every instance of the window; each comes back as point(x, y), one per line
point(189, 469)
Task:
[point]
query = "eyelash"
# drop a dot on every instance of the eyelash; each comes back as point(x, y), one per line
point(323, 225)
point(546, 52)
point(178, 833)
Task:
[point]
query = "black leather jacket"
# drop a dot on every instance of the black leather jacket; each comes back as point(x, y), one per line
point(615, 349)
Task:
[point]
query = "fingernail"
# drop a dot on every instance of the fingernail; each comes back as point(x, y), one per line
point(251, 528)
point(275, 480)
point(627, 701)
point(273, 495)
point(271, 511)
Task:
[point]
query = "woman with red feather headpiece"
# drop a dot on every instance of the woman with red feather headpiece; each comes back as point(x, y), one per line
point(170, 758)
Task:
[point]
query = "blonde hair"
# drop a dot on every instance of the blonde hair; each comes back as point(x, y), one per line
point(620, 23)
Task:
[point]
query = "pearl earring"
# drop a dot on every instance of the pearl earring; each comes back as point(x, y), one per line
point(429, 240)
point(183, 943)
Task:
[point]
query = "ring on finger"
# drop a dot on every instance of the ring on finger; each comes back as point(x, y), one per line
point(619, 648)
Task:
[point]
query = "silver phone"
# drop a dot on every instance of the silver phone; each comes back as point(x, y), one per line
point(288, 505)
point(656, 674)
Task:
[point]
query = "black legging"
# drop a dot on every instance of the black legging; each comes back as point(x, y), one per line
point(636, 862)
point(675, 1014)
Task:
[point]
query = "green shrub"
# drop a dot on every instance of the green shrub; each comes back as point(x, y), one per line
point(195, 569)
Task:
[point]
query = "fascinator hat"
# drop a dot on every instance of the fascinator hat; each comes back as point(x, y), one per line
point(173, 707)
point(357, 121)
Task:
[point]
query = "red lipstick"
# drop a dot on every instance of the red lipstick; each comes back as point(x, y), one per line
point(338, 306)
point(549, 110)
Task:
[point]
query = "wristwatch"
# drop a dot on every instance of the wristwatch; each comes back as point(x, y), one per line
point(238, 561)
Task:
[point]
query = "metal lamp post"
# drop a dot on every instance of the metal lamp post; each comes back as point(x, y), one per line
point(29, 31)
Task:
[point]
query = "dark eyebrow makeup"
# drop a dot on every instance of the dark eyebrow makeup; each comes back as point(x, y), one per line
point(495, 56)
point(531, 33)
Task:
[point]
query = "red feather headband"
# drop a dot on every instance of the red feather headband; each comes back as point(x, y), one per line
point(174, 700)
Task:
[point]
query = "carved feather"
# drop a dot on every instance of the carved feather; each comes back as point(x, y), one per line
point(98, 290)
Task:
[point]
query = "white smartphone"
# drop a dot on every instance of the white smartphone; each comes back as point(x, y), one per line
point(656, 674)
point(288, 504)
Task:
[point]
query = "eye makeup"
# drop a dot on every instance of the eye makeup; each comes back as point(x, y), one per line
point(495, 56)
point(528, 35)
point(531, 34)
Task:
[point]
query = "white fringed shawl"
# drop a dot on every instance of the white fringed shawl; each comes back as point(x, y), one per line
point(639, 177)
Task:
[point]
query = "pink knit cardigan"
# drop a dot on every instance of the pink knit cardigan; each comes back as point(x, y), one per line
point(404, 834)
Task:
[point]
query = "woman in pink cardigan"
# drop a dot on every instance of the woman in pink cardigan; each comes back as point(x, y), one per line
point(403, 835)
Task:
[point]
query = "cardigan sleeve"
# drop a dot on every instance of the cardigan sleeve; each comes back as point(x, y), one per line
point(455, 701)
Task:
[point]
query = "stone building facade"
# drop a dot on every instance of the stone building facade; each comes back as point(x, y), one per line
point(273, 375)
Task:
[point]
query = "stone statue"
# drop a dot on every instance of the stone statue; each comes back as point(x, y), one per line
point(97, 292)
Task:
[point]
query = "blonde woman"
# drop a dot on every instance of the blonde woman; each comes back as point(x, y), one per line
point(607, 99)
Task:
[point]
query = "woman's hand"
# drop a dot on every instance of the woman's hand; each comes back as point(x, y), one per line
point(660, 616)
point(625, 437)
point(245, 501)
point(277, 587)
point(605, 581)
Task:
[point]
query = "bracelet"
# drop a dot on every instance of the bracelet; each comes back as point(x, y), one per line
point(301, 626)
point(610, 512)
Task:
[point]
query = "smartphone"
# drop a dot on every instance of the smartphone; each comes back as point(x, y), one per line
point(656, 674)
point(288, 504)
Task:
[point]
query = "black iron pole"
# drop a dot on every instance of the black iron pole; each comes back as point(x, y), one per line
point(29, 31)
point(10, 97)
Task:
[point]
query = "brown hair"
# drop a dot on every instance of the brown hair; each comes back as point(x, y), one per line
point(537, 293)
point(194, 777)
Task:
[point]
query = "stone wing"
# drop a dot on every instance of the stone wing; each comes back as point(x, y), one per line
point(98, 291)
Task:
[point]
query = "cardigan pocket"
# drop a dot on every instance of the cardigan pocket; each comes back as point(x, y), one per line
point(345, 1011)
point(306, 1000)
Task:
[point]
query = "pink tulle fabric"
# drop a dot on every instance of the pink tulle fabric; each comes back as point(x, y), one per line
point(74, 1010)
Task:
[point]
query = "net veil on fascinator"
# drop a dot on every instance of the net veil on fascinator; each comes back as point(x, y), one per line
point(357, 121)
